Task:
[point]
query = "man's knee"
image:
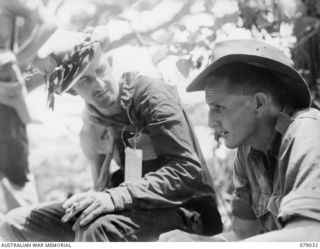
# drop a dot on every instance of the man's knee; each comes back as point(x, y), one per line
point(17, 216)
point(103, 229)
point(14, 220)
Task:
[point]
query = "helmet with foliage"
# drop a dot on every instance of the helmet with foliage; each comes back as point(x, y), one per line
point(74, 60)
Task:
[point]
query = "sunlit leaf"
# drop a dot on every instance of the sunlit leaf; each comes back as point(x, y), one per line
point(184, 66)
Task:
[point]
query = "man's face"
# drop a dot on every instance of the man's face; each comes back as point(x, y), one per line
point(232, 115)
point(98, 88)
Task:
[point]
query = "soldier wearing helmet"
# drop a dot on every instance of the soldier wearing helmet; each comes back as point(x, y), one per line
point(162, 181)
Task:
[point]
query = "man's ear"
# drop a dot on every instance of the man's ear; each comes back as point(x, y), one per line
point(261, 101)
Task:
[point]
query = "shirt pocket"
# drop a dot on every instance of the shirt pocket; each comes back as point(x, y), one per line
point(260, 203)
point(263, 203)
point(274, 204)
point(266, 208)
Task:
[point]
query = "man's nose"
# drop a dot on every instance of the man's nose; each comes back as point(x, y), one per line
point(100, 82)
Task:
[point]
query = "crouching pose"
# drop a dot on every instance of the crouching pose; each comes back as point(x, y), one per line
point(260, 105)
point(162, 182)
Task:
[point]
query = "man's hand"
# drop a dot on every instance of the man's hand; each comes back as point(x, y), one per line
point(10, 89)
point(10, 93)
point(90, 205)
point(7, 56)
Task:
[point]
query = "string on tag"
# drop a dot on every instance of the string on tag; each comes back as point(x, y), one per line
point(121, 136)
point(136, 138)
point(104, 133)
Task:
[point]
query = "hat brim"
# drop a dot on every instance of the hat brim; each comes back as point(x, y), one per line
point(297, 86)
point(76, 79)
point(85, 67)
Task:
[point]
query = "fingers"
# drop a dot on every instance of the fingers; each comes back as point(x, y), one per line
point(71, 212)
point(75, 198)
point(88, 215)
point(90, 204)
point(74, 205)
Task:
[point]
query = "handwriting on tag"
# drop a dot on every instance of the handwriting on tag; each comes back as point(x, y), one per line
point(133, 164)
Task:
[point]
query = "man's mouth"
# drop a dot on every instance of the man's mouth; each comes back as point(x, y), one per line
point(100, 94)
point(223, 133)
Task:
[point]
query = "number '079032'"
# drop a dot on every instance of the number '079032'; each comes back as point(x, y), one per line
point(309, 245)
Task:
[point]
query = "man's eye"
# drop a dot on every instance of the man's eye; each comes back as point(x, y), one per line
point(82, 80)
point(217, 108)
point(100, 70)
point(85, 80)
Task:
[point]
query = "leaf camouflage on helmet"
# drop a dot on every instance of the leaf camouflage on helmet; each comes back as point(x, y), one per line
point(69, 70)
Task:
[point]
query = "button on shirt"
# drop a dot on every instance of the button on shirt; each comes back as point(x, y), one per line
point(286, 183)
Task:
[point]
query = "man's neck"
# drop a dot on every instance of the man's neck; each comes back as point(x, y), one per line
point(266, 132)
point(265, 142)
point(111, 110)
point(265, 135)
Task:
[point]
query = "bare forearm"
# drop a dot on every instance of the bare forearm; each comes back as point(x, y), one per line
point(228, 236)
point(291, 234)
point(301, 231)
point(180, 236)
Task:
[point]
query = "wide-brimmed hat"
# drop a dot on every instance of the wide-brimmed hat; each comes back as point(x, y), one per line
point(261, 55)
point(80, 55)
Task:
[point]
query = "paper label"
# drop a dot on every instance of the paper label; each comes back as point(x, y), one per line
point(133, 164)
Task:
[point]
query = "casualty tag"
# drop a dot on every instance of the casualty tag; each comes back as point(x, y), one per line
point(133, 164)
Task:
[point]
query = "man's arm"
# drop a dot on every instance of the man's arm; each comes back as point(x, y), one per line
point(241, 229)
point(177, 176)
point(299, 229)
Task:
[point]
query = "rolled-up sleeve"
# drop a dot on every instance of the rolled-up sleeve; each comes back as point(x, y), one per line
point(302, 184)
point(242, 198)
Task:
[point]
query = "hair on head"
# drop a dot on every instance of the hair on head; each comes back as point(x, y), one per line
point(248, 79)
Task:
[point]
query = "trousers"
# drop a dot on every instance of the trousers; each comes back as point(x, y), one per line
point(43, 223)
point(14, 147)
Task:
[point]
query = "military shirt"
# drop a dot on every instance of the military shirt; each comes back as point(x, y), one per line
point(293, 188)
point(178, 176)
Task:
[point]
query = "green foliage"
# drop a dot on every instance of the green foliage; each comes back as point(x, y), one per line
point(304, 15)
point(185, 30)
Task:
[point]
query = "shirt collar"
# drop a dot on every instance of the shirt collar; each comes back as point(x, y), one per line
point(272, 153)
point(282, 124)
point(127, 89)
